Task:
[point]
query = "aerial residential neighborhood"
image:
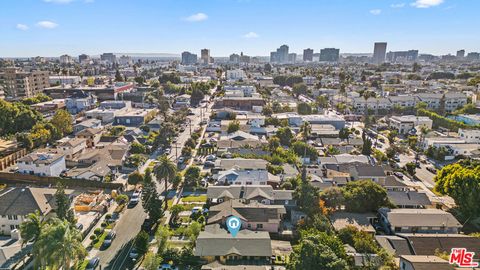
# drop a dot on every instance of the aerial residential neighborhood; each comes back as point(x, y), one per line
point(247, 152)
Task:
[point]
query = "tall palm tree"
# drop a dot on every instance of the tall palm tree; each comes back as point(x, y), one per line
point(30, 229)
point(58, 246)
point(165, 170)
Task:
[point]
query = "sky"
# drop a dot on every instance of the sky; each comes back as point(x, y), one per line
point(255, 27)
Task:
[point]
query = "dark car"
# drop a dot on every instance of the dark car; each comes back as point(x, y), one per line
point(209, 164)
point(432, 170)
point(108, 239)
point(147, 224)
point(93, 263)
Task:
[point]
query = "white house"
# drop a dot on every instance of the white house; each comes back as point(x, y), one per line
point(236, 74)
point(469, 135)
point(42, 164)
point(403, 124)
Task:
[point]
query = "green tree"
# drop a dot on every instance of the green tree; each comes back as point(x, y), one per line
point(392, 135)
point(192, 176)
point(365, 196)
point(137, 148)
point(333, 197)
point(233, 126)
point(31, 227)
point(135, 178)
point(461, 181)
point(304, 108)
point(273, 143)
point(141, 242)
point(367, 147)
point(285, 135)
point(411, 167)
point(320, 251)
point(344, 133)
point(299, 89)
point(196, 96)
point(151, 261)
point(166, 171)
point(308, 198)
point(118, 76)
point(64, 210)
point(59, 245)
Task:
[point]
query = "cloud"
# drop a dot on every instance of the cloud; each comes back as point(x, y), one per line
point(251, 35)
point(426, 3)
point(375, 11)
point(58, 1)
point(47, 24)
point(197, 17)
point(22, 27)
point(399, 5)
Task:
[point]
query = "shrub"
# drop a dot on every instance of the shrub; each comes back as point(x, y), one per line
point(97, 231)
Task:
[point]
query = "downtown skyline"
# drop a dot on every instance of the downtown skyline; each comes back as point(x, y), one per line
point(255, 27)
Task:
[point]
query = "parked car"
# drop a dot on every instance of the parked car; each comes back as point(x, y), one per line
point(133, 202)
point(133, 254)
point(93, 263)
point(396, 159)
point(137, 193)
point(147, 224)
point(181, 159)
point(167, 266)
point(108, 239)
point(209, 164)
point(398, 174)
point(211, 158)
point(167, 151)
point(432, 170)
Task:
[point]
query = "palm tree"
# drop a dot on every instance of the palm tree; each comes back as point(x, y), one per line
point(30, 229)
point(165, 170)
point(58, 246)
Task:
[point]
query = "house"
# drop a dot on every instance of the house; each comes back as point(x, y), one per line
point(405, 123)
point(250, 247)
point(263, 194)
point(10, 152)
point(416, 262)
point(361, 221)
point(17, 203)
point(42, 163)
point(92, 135)
point(72, 147)
point(89, 123)
point(362, 172)
point(246, 177)
point(134, 117)
point(254, 215)
point(252, 103)
point(469, 135)
point(223, 164)
point(396, 221)
point(374, 104)
point(240, 138)
point(409, 199)
point(182, 101)
point(80, 101)
point(404, 102)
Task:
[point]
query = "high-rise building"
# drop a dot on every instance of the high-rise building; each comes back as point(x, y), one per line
point(329, 55)
point(66, 59)
point(402, 56)
point(109, 57)
point(461, 54)
point(308, 55)
point(280, 56)
point(379, 52)
point(189, 58)
point(473, 56)
point(234, 58)
point(19, 84)
point(205, 56)
point(292, 58)
point(125, 60)
point(82, 58)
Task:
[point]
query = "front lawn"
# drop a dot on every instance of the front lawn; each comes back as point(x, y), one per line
point(195, 198)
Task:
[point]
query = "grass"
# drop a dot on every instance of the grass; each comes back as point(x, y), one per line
point(100, 240)
point(195, 198)
point(82, 266)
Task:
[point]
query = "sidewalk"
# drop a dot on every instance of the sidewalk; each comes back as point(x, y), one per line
point(86, 241)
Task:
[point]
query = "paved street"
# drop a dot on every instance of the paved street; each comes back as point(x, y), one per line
point(127, 228)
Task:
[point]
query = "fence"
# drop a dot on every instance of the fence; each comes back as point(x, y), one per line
point(16, 178)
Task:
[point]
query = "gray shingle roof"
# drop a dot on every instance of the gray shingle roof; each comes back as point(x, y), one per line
point(248, 192)
point(215, 241)
point(252, 212)
point(409, 198)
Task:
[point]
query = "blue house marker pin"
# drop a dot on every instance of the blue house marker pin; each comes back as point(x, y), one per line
point(233, 225)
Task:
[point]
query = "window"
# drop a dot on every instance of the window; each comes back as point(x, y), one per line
point(259, 226)
point(12, 227)
point(15, 218)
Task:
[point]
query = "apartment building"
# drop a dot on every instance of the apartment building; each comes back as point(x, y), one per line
point(20, 84)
